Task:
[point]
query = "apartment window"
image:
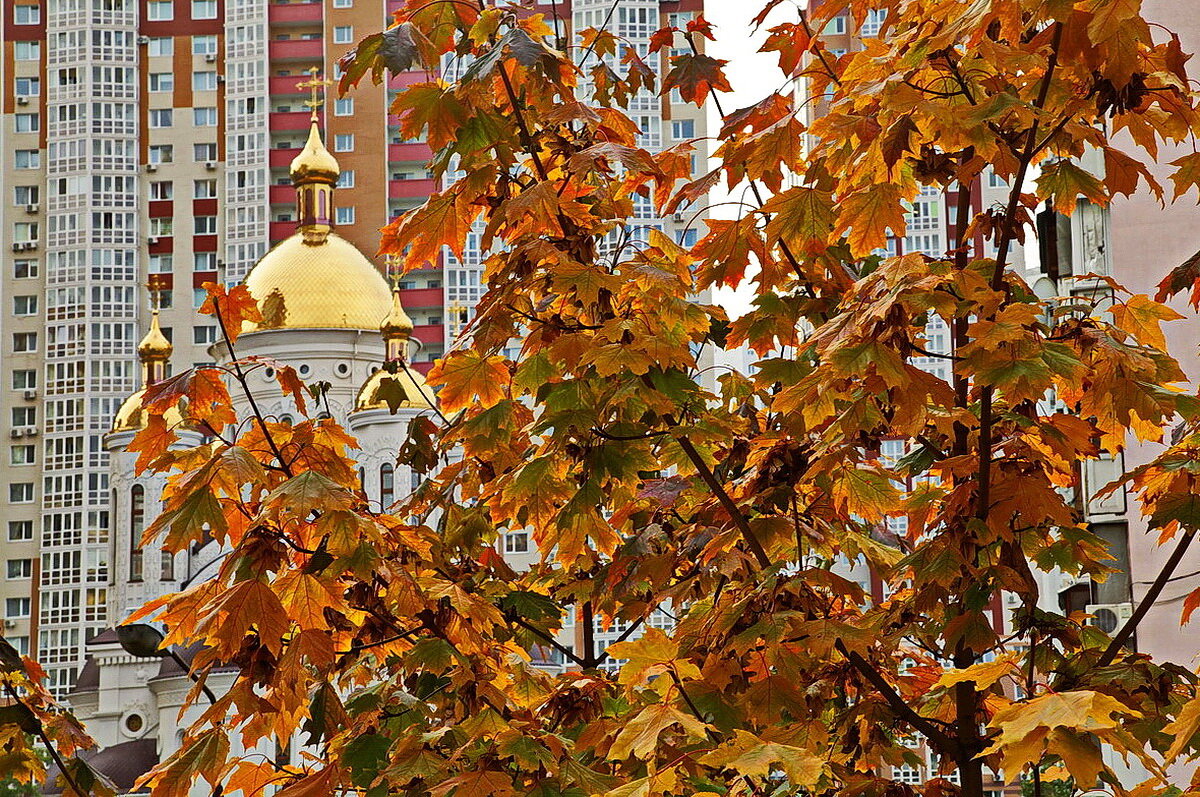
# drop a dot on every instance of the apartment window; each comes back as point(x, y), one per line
point(204, 261)
point(204, 9)
point(160, 10)
point(28, 123)
point(24, 379)
point(27, 159)
point(204, 152)
point(344, 216)
point(204, 81)
point(20, 530)
point(161, 45)
point(26, 194)
point(345, 179)
point(204, 189)
point(516, 542)
point(683, 129)
point(17, 607)
point(24, 343)
point(161, 117)
point(27, 15)
point(161, 153)
point(343, 106)
point(204, 117)
point(25, 269)
point(873, 22)
point(203, 336)
point(29, 86)
point(25, 231)
point(20, 493)
point(161, 264)
point(204, 45)
point(24, 416)
point(343, 34)
point(206, 225)
point(162, 81)
point(27, 51)
point(137, 524)
point(25, 454)
point(343, 142)
point(166, 301)
point(163, 189)
point(199, 297)
point(161, 226)
point(25, 305)
point(18, 568)
point(836, 26)
point(343, 3)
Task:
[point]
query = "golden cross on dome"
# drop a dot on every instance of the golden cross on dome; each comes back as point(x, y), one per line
point(155, 285)
point(316, 86)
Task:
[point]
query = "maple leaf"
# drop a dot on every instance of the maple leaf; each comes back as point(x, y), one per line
point(235, 307)
point(753, 757)
point(867, 217)
point(465, 376)
point(695, 75)
point(640, 735)
point(1064, 182)
point(245, 606)
point(1142, 317)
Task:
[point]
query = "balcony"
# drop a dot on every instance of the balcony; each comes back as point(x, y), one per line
point(282, 229)
point(284, 157)
point(430, 333)
point(416, 151)
point(289, 120)
point(284, 85)
point(283, 195)
point(415, 298)
point(297, 50)
point(293, 13)
point(412, 189)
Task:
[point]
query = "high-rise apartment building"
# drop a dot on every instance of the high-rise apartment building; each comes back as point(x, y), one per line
point(150, 140)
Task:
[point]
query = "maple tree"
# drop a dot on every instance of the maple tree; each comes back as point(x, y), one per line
point(397, 642)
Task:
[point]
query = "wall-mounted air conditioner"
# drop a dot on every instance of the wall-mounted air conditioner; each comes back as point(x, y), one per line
point(1108, 617)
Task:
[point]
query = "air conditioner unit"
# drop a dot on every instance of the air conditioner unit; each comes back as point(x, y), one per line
point(18, 246)
point(152, 240)
point(31, 431)
point(15, 433)
point(143, 40)
point(30, 394)
point(10, 623)
point(211, 166)
point(1108, 617)
point(211, 58)
point(151, 167)
point(32, 208)
point(22, 100)
point(677, 218)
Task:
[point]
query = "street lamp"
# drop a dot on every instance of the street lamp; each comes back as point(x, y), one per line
point(144, 641)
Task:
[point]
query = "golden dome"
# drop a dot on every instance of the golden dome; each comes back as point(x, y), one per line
point(315, 163)
point(321, 283)
point(155, 345)
point(397, 324)
point(406, 383)
point(132, 417)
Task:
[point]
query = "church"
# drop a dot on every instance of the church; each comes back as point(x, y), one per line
point(329, 314)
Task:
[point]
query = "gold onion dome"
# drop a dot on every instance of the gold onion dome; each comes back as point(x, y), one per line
point(317, 284)
point(154, 351)
point(154, 345)
point(397, 324)
point(315, 163)
point(316, 279)
point(406, 388)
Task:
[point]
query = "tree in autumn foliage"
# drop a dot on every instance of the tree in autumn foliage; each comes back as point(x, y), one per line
point(398, 642)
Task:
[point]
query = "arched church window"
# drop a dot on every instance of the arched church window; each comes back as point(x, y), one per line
point(137, 524)
point(387, 484)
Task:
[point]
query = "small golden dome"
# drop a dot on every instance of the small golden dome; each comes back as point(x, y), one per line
point(132, 416)
point(406, 383)
point(155, 345)
point(315, 163)
point(322, 283)
point(397, 324)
